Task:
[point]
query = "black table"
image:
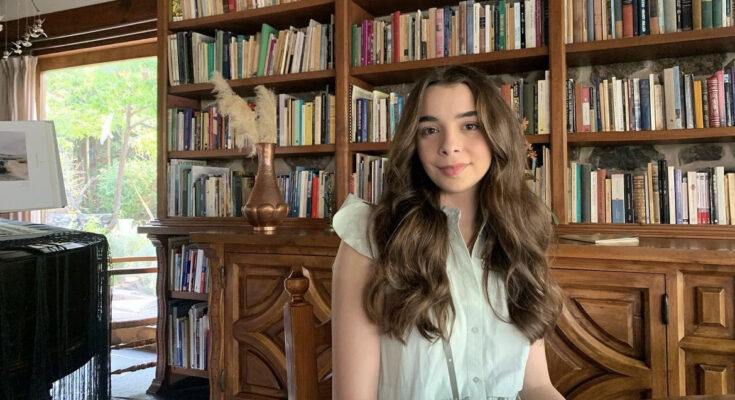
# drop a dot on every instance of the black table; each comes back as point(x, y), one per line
point(54, 312)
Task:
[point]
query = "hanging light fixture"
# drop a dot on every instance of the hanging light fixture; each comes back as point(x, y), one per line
point(32, 31)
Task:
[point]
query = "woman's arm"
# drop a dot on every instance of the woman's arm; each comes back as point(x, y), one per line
point(355, 340)
point(536, 382)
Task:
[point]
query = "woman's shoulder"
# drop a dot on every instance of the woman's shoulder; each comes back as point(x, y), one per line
point(351, 224)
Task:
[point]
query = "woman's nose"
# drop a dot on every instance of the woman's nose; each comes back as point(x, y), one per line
point(451, 142)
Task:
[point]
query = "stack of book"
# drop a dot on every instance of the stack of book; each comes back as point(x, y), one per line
point(366, 181)
point(309, 192)
point(466, 28)
point(304, 123)
point(662, 195)
point(193, 56)
point(187, 9)
point(188, 268)
point(682, 101)
point(196, 189)
point(529, 100)
point(188, 334)
point(590, 20)
point(200, 129)
point(539, 173)
point(373, 115)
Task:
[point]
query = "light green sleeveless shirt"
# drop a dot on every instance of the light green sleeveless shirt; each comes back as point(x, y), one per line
point(488, 355)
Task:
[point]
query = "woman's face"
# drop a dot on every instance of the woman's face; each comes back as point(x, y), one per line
point(451, 145)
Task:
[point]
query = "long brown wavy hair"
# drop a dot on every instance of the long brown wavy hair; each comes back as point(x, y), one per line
point(409, 286)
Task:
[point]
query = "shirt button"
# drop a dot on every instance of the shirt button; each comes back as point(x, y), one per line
point(475, 330)
point(475, 379)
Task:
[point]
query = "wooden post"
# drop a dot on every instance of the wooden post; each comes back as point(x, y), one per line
point(298, 322)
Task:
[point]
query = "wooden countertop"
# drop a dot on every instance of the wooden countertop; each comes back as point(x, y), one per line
point(696, 251)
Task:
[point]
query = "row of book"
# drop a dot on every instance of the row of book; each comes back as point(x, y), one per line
point(193, 56)
point(200, 129)
point(373, 114)
point(189, 335)
point(529, 100)
point(188, 9)
point(188, 268)
point(196, 189)
point(366, 181)
point(539, 172)
point(592, 20)
point(662, 194)
point(682, 101)
point(466, 28)
point(309, 192)
point(306, 122)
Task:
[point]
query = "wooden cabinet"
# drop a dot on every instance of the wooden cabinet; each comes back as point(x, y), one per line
point(610, 340)
point(639, 322)
point(248, 358)
point(643, 320)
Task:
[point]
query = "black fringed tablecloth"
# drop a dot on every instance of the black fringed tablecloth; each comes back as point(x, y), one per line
point(54, 338)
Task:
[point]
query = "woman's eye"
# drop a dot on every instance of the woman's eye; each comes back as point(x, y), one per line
point(428, 131)
point(472, 126)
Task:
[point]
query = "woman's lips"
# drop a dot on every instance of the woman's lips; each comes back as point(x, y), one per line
point(453, 170)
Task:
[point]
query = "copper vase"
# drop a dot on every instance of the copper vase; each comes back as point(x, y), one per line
point(265, 207)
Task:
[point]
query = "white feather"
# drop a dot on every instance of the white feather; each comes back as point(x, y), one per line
point(242, 118)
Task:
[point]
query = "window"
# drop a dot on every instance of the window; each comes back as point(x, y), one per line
point(103, 104)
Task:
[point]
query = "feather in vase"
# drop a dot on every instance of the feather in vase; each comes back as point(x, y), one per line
point(242, 118)
point(265, 112)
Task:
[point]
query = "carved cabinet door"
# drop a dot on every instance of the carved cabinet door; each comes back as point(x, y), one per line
point(610, 341)
point(253, 333)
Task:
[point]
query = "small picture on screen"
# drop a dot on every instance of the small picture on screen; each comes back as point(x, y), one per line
point(13, 156)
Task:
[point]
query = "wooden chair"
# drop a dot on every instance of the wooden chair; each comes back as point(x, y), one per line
point(305, 341)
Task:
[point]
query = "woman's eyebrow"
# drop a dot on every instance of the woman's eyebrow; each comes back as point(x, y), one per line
point(430, 118)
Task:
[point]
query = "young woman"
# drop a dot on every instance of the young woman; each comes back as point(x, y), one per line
point(442, 290)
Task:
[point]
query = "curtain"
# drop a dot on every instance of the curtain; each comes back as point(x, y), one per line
point(18, 103)
point(18, 88)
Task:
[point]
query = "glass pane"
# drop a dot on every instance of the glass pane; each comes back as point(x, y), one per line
point(105, 118)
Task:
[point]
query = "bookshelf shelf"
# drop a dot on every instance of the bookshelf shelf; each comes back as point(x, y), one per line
point(370, 147)
point(383, 7)
point(653, 230)
point(497, 62)
point(296, 13)
point(207, 154)
point(673, 136)
point(538, 139)
point(189, 372)
point(383, 147)
point(638, 48)
point(320, 149)
point(204, 223)
point(317, 149)
point(298, 82)
point(176, 294)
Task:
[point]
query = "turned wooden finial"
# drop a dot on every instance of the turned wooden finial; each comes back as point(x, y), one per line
point(296, 285)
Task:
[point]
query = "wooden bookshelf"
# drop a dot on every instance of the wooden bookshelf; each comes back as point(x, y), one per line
point(320, 149)
point(638, 48)
point(556, 57)
point(177, 294)
point(189, 372)
point(296, 14)
point(671, 136)
point(370, 147)
point(199, 223)
point(300, 82)
point(497, 62)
